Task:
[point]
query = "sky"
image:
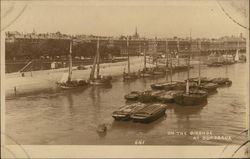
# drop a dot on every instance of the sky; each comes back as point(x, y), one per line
point(159, 18)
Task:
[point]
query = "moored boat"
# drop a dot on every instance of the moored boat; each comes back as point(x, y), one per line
point(175, 85)
point(150, 96)
point(209, 87)
point(179, 68)
point(98, 79)
point(194, 97)
point(133, 96)
point(149, 113)
point(131, 75)
point(159, 70)
point(72, 84)
point(101, 80)
point(66, 81)
point(215, 64)
point(124, 113)
point(202, 79)
point(168, 96)
point(222, 81)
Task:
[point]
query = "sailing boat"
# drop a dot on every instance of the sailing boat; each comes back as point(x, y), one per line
point(98, 80)
point(209, 87)
point(217, 60)
point(146, 72)
point(66, 81)
point(169, 85)
point(157, 70)
point(191, 96)
point(237, 58)
point(129, 75)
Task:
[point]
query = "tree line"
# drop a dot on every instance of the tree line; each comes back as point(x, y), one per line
point(56, 47)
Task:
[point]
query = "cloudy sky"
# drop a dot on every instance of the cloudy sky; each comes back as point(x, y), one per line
point(161, 18)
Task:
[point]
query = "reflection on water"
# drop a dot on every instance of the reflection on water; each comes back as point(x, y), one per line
point(75, 116)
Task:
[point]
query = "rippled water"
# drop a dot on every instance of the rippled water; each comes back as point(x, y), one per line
point(72, 116)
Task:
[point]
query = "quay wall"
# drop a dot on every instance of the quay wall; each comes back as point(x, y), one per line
point(46, 79)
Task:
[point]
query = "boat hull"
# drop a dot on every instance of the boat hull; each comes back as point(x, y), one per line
point(125, 112)
point(72, 84)
point(124, 117)
point(209, 87)
point(168, 97)
point(151, 117)
point(133, 96)
point(191, 99)
point(130, 76)
point(167, 86)
point(101, 81)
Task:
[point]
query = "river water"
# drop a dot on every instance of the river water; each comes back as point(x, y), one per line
point(72, 117)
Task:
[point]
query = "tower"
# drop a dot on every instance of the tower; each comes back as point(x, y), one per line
point(136, 35)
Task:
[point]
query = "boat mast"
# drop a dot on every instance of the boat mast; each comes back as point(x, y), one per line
point(70, 61)
point(155, 51)
point(236, 58)
point(92, 73)
point(98, 59)
point(171, 67)
point(166, 54)
point(199, 47)
point(144, 50)
point(128, 56)
point(177, 56)
point(187, 86)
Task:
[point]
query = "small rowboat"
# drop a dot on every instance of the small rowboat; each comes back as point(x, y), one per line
point(149, 113)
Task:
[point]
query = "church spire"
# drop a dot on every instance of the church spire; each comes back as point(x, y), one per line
point(136, 33)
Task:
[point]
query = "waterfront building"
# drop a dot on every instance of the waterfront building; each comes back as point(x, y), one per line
point(137, 44)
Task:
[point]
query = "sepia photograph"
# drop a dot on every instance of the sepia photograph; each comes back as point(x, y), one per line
point(147, 79)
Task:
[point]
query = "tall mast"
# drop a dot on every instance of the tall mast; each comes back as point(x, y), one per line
point(236, 58)
point(128, 56)
point(187, 86)
point(166, 54)
point(199, 47)
point(70, 61)
point(144, 53)
point(177, 56)
point(155, 51)
point(98, 59)
point(171, 67)
point(92, 73)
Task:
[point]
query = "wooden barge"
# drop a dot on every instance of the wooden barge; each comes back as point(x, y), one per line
point(149, 113)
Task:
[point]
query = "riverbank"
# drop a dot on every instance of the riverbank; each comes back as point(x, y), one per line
point(33, 81)
point(43, 80)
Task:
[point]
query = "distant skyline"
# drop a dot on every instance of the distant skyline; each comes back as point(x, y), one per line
point(205, 19)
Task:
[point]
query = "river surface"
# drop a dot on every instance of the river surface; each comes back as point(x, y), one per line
point(69, 117)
